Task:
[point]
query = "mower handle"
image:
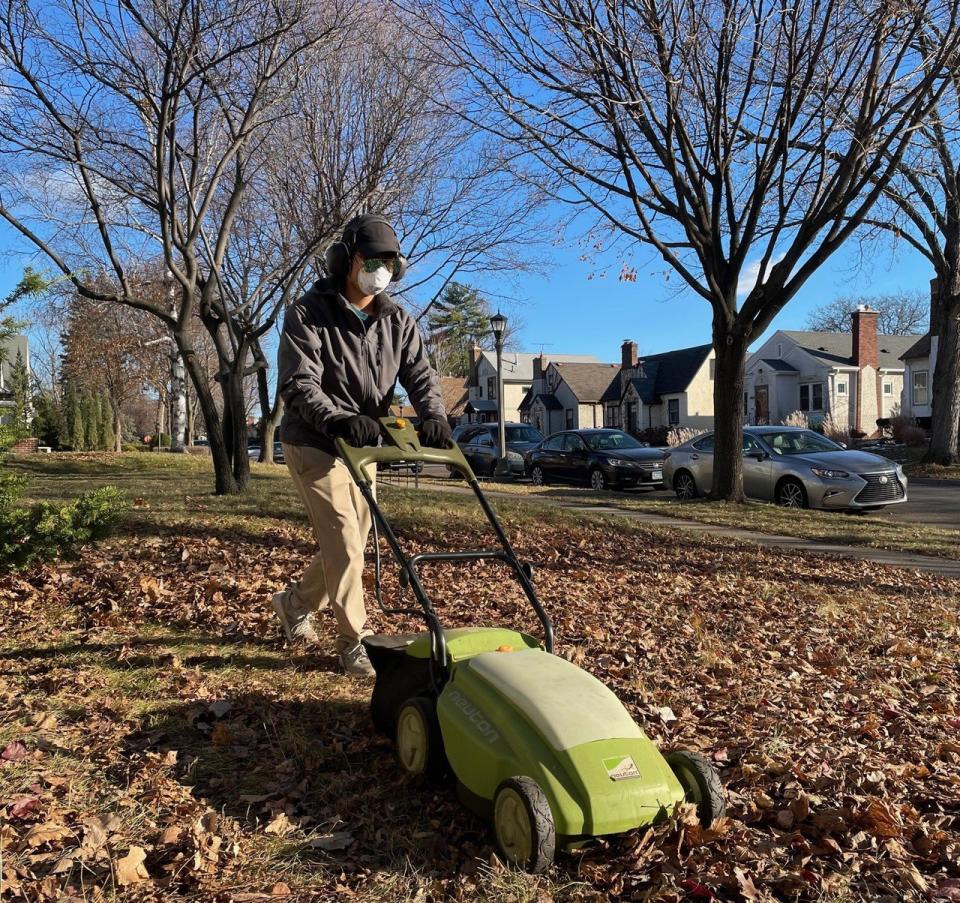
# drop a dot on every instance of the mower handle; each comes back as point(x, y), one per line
point(403, 445)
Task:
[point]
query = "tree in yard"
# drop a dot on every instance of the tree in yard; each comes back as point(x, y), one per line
point(20, 390)
point(73, 417)
point(130, 133)
point(904, 313)
point(459, 319)
point(743, 142)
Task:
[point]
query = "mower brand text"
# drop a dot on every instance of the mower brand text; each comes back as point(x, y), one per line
point(474, 715)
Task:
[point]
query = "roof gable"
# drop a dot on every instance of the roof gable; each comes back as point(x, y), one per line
point(588, 382)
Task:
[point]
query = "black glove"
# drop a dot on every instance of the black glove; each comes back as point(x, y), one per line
point(358, 430)
point(435, 434)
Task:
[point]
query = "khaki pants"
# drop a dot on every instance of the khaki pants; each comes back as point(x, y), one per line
point(340, 519)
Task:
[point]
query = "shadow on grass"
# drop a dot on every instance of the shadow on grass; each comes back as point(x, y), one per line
point(320, 763)
point(129, 654)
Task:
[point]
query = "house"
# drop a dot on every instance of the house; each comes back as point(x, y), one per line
point(453, 391)
point(9, 349)
point(919, 362)
point(672, 388)
point(481, 405)
point(855, 376)
point(566, 395)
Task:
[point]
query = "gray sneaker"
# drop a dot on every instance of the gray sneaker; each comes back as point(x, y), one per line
point(354, 661)
point(296, 625)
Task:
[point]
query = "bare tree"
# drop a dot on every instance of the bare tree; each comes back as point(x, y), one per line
point(129, 133)
point(904, 313)
point(743, 141)
point(922, 208)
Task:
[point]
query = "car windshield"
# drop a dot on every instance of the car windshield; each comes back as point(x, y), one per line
point(799, 442)
point(522, 434)
point(608, 441)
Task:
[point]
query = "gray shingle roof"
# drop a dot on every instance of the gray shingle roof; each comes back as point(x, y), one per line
point(837, 347)
point(779, 366)
point(667, 373)
point(518, 365)
point(587, 381)
point(918, 349)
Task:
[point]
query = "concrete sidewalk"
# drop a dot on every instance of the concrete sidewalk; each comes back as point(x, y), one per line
point(945, 567)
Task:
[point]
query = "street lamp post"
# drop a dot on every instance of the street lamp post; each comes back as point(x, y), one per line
point(498, 323)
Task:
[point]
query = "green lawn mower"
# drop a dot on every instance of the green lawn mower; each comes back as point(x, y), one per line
point(534, 742)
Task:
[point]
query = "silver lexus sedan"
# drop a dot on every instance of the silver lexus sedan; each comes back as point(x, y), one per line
point(794, 467)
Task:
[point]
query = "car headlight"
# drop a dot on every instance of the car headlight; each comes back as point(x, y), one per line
point(830, 474)
point(620, 462)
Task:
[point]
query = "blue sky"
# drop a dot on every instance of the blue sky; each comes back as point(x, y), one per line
point(564, 311)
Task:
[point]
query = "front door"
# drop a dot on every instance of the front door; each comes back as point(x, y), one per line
point(762, 405)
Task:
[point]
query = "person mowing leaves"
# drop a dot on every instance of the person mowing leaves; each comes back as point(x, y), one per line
point(345, 344)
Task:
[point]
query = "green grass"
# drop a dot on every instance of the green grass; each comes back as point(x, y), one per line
point(873, 530)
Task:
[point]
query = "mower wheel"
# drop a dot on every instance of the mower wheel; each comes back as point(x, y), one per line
point(419, 741)
point(700, 782)
point(523, 824)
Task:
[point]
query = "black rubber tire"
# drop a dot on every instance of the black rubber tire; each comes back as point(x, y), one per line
point(435, 761)
point(790, 488)
point(543, 831)
point(685, 475)
point(598, 480)
point(542, 481)
point(700, 782)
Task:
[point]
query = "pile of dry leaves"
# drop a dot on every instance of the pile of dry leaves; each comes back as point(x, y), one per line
point(157, 739)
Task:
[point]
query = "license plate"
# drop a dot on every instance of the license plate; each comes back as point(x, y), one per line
point(657, 475)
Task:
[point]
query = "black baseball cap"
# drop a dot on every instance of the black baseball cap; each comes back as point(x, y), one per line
point(374, 236)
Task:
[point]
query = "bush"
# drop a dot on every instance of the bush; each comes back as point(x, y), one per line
point(654, 435)
point(680, 434)
point(913, 435)
point(835, 429)
point(797, 418)
point(901, 426)
point(45, 531)
point(164, 441)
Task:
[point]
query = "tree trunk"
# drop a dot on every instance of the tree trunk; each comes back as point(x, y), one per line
point(731, 353)
point(178, 392)
point(235, 420)
point(269, 416)
point(117, 425)
point(945, 427)
point(224, 482)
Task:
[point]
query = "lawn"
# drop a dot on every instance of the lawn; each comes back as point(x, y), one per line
point(158, 739)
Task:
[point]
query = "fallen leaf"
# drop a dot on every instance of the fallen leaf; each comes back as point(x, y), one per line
point(46, 833)
point(280, 890)
point(14, 751)
point(280, 825)
point(23, 807)
point(219, 707)
point(131, 869)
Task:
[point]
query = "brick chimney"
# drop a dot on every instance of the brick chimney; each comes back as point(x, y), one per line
point(538, 367)
point(866, 352)
point(628, 355)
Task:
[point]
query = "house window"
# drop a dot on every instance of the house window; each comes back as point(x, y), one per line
point(673, 411)
point(920, 387)
point(811, 397)
point(841, 388)
point(888, 388)
point(491, 384)
point(569, 419)
point(779, 350)
point(612, 419)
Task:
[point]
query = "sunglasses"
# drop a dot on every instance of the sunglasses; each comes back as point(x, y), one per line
point(374, 264)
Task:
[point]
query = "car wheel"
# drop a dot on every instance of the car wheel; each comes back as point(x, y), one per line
point(685, 486)
point(791, 494)
point(598, 480)
point(524, 825)
point(700, 783)
point(537, 476)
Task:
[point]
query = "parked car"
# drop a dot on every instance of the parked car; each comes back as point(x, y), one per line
point(605, 459)
point(479, 443)
point(794, 467)
point(253, 453)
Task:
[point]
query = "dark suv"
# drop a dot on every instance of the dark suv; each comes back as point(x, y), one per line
point(479, 444)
